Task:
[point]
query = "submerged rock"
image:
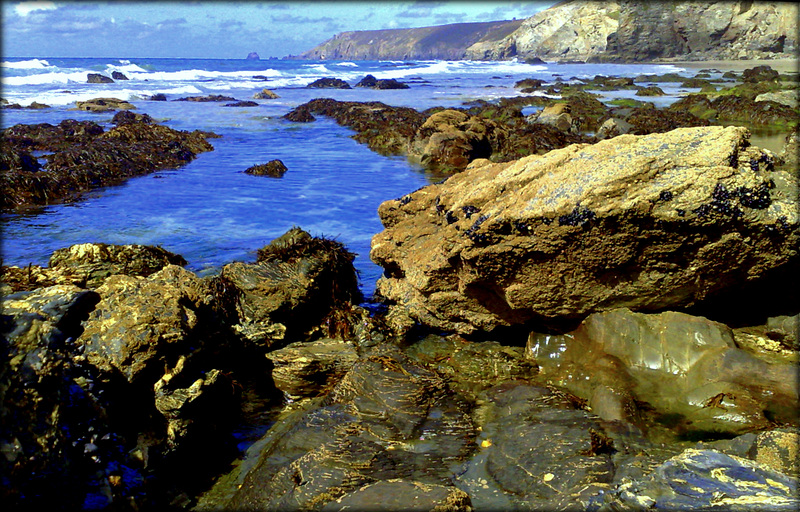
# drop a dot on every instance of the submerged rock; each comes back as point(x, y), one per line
point(309, 369)
point(684, 367)
point(208, 98)
point(645, 222)
point(401, 494)
point(387, 419)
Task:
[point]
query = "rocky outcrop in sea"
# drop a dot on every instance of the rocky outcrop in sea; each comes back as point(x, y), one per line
point(81, 155)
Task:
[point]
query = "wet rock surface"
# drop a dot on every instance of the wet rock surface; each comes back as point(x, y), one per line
point(130, 383)
point(273, 169)
point(113, 394)
point(372, 427)
point(442, 140)
point(553, 238)
point(329, 83)
point(83, 156)
point(708, 480)
point(383, 83)
point(298, 281)
point(683, 367)
point(103, 105)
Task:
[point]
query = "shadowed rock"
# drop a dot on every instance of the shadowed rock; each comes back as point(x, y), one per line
point(297, 282)
point(329, 83)
point(97, 78)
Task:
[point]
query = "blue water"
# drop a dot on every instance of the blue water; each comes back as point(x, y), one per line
point(209, 211)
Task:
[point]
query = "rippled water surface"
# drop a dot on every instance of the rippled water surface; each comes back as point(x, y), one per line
point(209, 211)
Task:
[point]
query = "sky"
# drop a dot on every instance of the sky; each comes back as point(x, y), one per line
point(221, 29)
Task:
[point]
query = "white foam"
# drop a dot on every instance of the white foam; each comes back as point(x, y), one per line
point(317, 67)
point(27, 64)
point(461, 67)
point(126, 67)
point(59, 98)
point(349, 64)
point(46, 78)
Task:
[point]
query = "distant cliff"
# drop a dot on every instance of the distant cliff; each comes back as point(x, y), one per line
point(445, 42)
point(632, 31)
point(593, 31)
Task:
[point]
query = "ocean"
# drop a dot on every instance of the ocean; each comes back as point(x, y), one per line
point(209, 211)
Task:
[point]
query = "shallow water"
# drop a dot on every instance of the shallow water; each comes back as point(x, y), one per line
point(209, 211)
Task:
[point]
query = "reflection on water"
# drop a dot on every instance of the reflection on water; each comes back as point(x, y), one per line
point(212, 213)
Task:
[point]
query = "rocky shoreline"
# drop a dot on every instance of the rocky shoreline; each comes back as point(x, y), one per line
point(594, 310)
point(80, 155)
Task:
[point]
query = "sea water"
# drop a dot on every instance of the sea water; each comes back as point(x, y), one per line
point(209, 211)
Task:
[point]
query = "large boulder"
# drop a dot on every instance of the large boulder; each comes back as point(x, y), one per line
point(557, 115)
point(646, 222)
point(143, 325)
point(452, 139)
point(51, 410)
point(297, 282)
point(97, 261)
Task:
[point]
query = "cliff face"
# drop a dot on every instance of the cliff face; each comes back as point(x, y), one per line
point(631, 31)
point(445, 42)
point(594, 31)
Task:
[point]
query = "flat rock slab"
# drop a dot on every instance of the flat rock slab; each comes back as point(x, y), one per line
point(650, 222)
point(710, 480)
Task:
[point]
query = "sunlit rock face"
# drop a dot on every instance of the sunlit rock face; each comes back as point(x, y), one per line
point(624, 30)
point(652, 222)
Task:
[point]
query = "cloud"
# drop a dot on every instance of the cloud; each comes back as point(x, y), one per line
point(289, 18)
point(231, 23)
point(25, 8)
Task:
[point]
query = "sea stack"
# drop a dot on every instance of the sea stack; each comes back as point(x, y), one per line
point(253, 56)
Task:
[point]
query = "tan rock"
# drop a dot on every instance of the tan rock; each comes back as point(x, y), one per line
point(645, 222)
point(104, 105)
point(265, 94)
